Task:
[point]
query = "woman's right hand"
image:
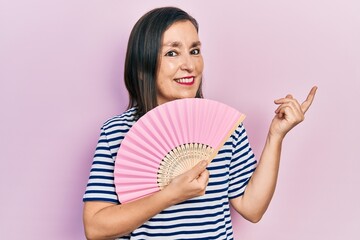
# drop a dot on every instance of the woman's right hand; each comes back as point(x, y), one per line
point(103, 220)
point(190, 184)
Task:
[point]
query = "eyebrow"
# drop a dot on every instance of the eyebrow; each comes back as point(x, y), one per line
point(179, 44)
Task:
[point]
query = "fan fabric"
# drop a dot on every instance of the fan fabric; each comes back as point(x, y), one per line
point(146, 160)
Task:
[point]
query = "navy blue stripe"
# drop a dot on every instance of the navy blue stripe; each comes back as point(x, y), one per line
point(115, 146)
point(247, 172)
point(223, 174)
point(219, 159)
point(220, 205)
point(88, 199)
point(219, 190)
point(242, 148)
point(221, 235)
point(244, 173)
point(207, 199)
point(237, 132)
point(225, 150)
point(250, 163)
point(215, 183)
point(128, 124)
point(98, 148)
point(232, 138)
point(188, 224)
point(101, 191)
point(116, 131)
point(238, 188)
point(101, 155)
point(237, 183)
point(218, 167)
point(224, 166)
point(116, 139)
point(101, 184)
point(237, 195)
point(197, 216)
point(104, 163)
point(103, 141)
point(102, 170)
point(252, 156)
point(240, 142)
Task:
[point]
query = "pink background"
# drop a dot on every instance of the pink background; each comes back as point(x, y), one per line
point(61, 66)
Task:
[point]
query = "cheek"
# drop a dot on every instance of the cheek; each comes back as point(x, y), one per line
point(200, 65)
point(160, 85)
point(167, 68)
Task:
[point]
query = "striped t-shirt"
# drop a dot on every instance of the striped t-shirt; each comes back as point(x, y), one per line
point(205, 217)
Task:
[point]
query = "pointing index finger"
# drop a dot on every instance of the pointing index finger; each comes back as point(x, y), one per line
point(310, 98)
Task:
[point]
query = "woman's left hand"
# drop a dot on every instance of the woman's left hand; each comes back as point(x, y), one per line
point(289, 113)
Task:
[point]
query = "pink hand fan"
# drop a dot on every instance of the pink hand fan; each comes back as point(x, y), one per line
point(169, 140)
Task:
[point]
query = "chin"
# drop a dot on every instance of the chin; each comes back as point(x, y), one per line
point(188, 96)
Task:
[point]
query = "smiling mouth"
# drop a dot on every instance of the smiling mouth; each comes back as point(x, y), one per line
point(185, 80)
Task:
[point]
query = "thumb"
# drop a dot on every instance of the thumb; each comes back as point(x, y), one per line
point(197, 169)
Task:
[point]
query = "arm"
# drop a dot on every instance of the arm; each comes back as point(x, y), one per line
point(104, 220)
point(260, 189)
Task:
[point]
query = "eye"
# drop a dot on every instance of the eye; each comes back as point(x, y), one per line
point(195, 51)
point(171, 54)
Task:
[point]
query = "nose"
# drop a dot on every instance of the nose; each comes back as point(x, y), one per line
point(187, 63)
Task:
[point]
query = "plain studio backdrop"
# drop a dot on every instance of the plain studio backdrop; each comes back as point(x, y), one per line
point(61, 72)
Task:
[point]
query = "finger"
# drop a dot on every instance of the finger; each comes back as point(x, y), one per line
point(294, 105)
point(197, 169)
point(285, 112)
point(288, 98)
point(281, 106)
point(290, 113)
point(310, 98)
point(204, 178)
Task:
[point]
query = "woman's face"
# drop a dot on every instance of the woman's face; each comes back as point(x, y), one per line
point(180, 64)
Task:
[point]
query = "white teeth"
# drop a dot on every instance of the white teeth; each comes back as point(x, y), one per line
point(185, 80)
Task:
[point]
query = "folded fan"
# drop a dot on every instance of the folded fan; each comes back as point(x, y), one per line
point(169, 140)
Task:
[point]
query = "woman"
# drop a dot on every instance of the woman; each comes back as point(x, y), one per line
point(163, 63)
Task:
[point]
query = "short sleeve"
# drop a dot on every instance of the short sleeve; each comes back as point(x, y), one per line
point(243, 163)
point(101, 185)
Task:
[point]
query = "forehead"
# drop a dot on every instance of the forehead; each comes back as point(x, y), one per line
point(181, 31)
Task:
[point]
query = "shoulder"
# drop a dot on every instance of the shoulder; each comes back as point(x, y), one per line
point(122, 122)
point(239, 133)
point(129, 116)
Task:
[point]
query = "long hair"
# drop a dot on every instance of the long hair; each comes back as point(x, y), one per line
point(142, 56)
